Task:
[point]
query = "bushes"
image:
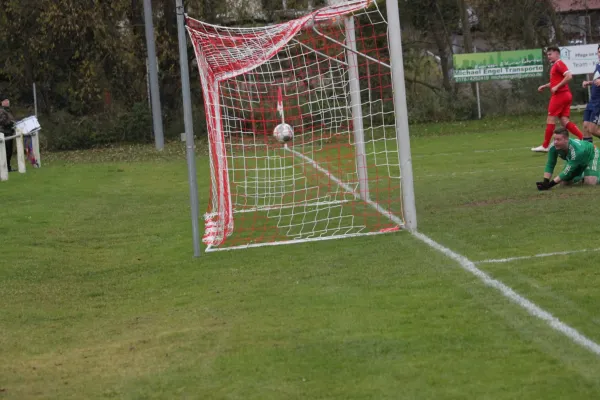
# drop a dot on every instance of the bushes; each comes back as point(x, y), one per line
point(63, 131)
point(428, 106)
point(517, 97)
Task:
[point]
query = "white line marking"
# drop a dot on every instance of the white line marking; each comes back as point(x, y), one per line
point(558, 253)
point(347, 188)
point(507, 292)
point(469, 266)
point(210, 249)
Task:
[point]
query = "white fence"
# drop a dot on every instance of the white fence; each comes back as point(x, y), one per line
point(26, 128)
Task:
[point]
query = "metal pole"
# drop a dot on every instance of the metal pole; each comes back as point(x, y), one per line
point(357, 117)
point(155, 95)
point(148, 85)
point(35, 99)
point(588, 76)
point(402, 134)
point(477, 92)
point(189, 128)
point(478, 100)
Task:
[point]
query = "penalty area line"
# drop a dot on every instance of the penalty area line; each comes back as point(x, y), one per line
point(516, 298)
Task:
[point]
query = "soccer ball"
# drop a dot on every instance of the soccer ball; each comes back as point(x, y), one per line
point(283, 133)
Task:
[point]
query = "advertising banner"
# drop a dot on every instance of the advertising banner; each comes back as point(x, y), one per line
point(498, 65)
point(580, 59)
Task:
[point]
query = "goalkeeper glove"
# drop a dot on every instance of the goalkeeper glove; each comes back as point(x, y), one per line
point(545, 184)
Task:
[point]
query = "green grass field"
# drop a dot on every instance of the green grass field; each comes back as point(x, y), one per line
point(101, 297)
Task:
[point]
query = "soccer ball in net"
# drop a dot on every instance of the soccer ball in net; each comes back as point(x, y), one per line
point(283, 133)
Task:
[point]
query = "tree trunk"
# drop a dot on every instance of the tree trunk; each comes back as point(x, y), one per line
point(444, 60)
point(209, 12)
point(466, 31)
point(28, 67)
point(555, 23)
point(528, 32)
point(136, 18)
point(170, 17)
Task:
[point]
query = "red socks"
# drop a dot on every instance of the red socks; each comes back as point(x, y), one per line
point(550, 132)
point(571, 127)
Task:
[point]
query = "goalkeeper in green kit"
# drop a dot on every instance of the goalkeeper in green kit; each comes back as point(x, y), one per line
point(581, 158)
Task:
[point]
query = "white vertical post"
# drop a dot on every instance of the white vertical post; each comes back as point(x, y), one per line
point(189, 128)
point(357, 118)
point(3, 161)
point(20, 152)
point(35, 100)
point(35, 143)
point(402, 134)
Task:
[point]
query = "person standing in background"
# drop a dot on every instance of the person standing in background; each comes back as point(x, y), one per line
point(7, 126)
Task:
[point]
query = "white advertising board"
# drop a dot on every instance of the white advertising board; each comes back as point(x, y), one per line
point(580, 59)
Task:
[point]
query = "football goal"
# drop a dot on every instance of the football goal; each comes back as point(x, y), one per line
point(306, 119)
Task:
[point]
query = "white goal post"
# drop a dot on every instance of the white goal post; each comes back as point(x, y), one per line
point(307, 126)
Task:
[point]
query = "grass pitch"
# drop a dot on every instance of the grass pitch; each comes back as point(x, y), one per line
point(101, 297)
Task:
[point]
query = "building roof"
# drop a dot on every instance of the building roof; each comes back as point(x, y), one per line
point(563, 6)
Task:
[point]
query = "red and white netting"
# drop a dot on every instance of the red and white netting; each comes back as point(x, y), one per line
point(326, 76)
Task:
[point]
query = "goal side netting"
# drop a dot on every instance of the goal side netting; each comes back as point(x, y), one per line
point(301, 127)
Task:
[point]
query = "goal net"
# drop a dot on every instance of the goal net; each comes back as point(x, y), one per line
point(301, 128)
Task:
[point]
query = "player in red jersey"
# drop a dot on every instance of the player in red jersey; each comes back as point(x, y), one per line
point(560, 100)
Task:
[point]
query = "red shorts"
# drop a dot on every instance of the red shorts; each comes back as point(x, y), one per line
point(560, 104)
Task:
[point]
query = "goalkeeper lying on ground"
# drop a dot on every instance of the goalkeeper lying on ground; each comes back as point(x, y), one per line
point(581, 157)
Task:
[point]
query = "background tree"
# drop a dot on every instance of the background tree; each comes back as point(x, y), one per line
point(88, 57)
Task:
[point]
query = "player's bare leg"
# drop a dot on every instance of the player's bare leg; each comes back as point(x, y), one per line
point(590, 129)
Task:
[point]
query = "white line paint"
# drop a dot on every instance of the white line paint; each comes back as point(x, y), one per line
point(347, 188)
point(210, 249)
point(507, 292)
point(344, 186)
point(465, 263)
point(558, 253)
